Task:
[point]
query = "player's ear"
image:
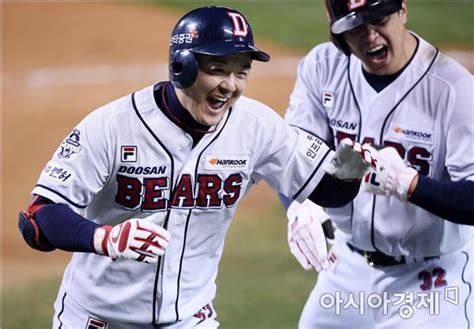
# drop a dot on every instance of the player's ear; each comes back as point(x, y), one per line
point(403, 12)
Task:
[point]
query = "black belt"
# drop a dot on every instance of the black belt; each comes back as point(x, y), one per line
point(376, 258)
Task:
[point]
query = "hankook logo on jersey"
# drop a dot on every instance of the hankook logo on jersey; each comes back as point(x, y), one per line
point(229, 162)
point(413, 134)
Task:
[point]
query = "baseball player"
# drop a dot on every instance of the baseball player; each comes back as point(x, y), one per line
point(144, 188)
point(401, 257)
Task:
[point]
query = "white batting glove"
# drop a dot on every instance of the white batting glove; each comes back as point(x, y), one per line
point(306, 236)
point(351, 160)
point(392, 177)
point(139, 239)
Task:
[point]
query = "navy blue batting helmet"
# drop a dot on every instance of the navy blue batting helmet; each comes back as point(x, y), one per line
point(345, 15)
point(213, 30)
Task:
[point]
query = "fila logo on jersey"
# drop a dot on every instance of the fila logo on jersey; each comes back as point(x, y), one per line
point(229, 162)
point(328, 100)
point(96, 324)
point(70, 145)
point(129, 153)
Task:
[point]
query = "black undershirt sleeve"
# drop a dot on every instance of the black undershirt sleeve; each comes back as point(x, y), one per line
point(65, 229)
point(453, 201)
point(330, 193)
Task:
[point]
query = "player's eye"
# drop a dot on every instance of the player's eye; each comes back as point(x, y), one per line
point(380, 21)
point(216, 70)
point(242, 74)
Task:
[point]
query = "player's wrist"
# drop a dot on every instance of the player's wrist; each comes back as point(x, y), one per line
point(100, 238)
point(413, 184)
point(292, 211)
point(406, 183)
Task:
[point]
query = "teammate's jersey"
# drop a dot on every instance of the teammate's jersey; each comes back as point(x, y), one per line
point(427, 114)
point(124, 159)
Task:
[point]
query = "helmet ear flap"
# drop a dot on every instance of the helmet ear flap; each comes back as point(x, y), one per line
point(340, 43)
point(183, 68)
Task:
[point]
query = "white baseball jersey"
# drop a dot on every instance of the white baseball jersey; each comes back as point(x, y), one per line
point(427, 114)
point(127, 159)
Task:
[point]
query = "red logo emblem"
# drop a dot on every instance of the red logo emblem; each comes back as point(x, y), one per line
point(355, 4)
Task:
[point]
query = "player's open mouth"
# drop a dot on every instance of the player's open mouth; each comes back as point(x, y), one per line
point(215, 103)
point(378, 54)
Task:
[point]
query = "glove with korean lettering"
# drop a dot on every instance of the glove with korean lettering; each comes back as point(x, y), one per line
point(309, 227)
point(351, 160)
point(392, 177)
point(140, 239)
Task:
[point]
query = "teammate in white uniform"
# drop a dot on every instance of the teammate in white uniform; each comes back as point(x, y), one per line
point(395, 263)
point(164, 169)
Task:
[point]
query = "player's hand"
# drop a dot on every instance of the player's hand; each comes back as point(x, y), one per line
point(308, 228)
point(138, 239)
point(392, 177)
point(351, 160)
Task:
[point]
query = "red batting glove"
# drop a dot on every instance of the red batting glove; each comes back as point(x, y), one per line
point(137, 239)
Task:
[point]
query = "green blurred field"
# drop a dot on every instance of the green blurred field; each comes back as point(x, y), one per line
point(260, 285)
point(302, 24)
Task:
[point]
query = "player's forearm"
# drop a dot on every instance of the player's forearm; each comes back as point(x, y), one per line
point(333, 193)
point(452, 201)
point(329, 193)
point(66, 229)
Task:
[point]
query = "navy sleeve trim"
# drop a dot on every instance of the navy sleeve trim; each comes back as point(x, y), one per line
point(334, 193)
point(65, 229)
point(285, 200)
point(61, 196)
point(452, 201)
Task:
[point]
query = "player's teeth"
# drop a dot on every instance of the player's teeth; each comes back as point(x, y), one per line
point(375, 49)
point(217, 102)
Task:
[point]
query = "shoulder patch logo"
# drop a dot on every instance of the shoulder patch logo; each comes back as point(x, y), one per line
point(129, 153)
point(70, 145)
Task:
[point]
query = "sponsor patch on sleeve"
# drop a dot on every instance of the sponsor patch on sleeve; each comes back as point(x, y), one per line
point(227, 162)
point(310, 146)
point(56, 172)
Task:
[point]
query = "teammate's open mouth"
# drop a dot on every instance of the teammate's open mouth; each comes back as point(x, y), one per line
point(378, 53)
point(216, 103)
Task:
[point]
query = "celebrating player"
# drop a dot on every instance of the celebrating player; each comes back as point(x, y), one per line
point(381, 84)
point(164, 169)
